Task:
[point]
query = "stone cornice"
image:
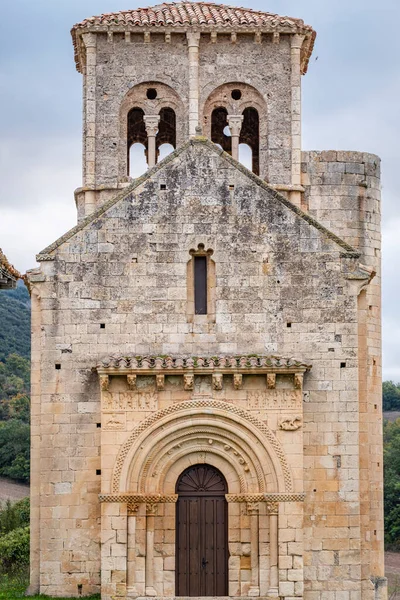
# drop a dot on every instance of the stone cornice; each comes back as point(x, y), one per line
point(224, 365)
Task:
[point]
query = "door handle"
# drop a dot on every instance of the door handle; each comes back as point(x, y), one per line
point(204, 563)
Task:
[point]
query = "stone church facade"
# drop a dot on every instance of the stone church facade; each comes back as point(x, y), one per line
point(206, 342)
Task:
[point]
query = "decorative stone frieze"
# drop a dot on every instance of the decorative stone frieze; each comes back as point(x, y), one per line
point(139, 498)
point(274, 498)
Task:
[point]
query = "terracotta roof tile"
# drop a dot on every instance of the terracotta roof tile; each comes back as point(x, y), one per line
point(7, 271)
point(199, 14)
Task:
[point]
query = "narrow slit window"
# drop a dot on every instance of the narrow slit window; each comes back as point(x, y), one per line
point(200, 285)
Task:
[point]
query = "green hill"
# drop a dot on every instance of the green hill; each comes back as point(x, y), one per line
point(15, 322)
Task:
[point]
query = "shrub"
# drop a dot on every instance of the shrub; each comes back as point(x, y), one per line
point(14, 549)
point(13, 516)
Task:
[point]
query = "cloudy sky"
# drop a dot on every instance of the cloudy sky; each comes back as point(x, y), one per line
point(350, 102)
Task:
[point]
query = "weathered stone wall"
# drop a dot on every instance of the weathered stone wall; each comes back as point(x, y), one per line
point(282, 288)
point(120, 65)
point(343, 193)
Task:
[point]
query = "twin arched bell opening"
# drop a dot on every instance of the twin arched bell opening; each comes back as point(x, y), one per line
point(151, 128)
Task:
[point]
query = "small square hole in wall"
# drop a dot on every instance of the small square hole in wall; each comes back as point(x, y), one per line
point(342, 365)
point(288, 325)
point(163, 186)
point(98, 471)
point(331, 349)
point(58, 366)
point(338, 337)
point(102, 325)
point(98, 425)
point(231, 188)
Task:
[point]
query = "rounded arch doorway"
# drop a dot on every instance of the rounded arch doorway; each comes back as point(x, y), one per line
point(201, 532)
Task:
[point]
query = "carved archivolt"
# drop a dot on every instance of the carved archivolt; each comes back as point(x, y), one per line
point(255, 444)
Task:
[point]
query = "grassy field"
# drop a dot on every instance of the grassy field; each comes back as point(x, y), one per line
point(13, 588)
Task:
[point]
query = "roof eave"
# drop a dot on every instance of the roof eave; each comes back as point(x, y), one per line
point(306, 51)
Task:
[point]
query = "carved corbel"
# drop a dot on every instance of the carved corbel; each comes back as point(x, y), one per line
point(271, 381)
point(128, 37)
point(276, 37)
point(167, 37)
point(188, 383)
point(160, 381)
point(104, 382)
point(147, 37)
point(237, 381)
point(131, 380)
point(217, 381)
point(233, 37)
point(298, 381)
point(213, 37)
point(257, 37)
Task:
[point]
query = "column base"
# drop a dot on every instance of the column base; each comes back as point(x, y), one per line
point(273, 593)
point(150, 591)
point(254, 591)
point(32, 590)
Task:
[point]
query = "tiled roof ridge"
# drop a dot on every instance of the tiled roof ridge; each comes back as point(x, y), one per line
point(194, 14)
point(164, 14)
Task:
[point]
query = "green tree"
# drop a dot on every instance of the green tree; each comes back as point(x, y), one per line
point(14, 449)
point(391, 395)
point(391, 437)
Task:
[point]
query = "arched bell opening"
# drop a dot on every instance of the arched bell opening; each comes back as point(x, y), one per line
point(136, 143)
point(166, 136)
point(220, 133)
point(250, 136)
point(201, 532)
point(246, 156)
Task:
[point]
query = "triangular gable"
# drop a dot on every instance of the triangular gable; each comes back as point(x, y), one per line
point(345, 248)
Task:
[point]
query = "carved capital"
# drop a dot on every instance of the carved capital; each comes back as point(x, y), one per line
point(252, 508)
point(104, 383)
point(131, 380)
point(235, 123)
point(188, 382)
point(272, 508)
point(151, 510)
point(271, 381)
point(217, 381)
point(151, 123)
point(238, 381)
point(133, 508)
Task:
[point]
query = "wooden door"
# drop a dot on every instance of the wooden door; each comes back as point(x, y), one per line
point(201, 533)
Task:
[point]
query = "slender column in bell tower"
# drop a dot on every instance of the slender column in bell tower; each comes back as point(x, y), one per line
point(235, 123)
point(193, 39)
point(151, 123)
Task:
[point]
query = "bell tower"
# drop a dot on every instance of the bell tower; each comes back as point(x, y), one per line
point(155, 77)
